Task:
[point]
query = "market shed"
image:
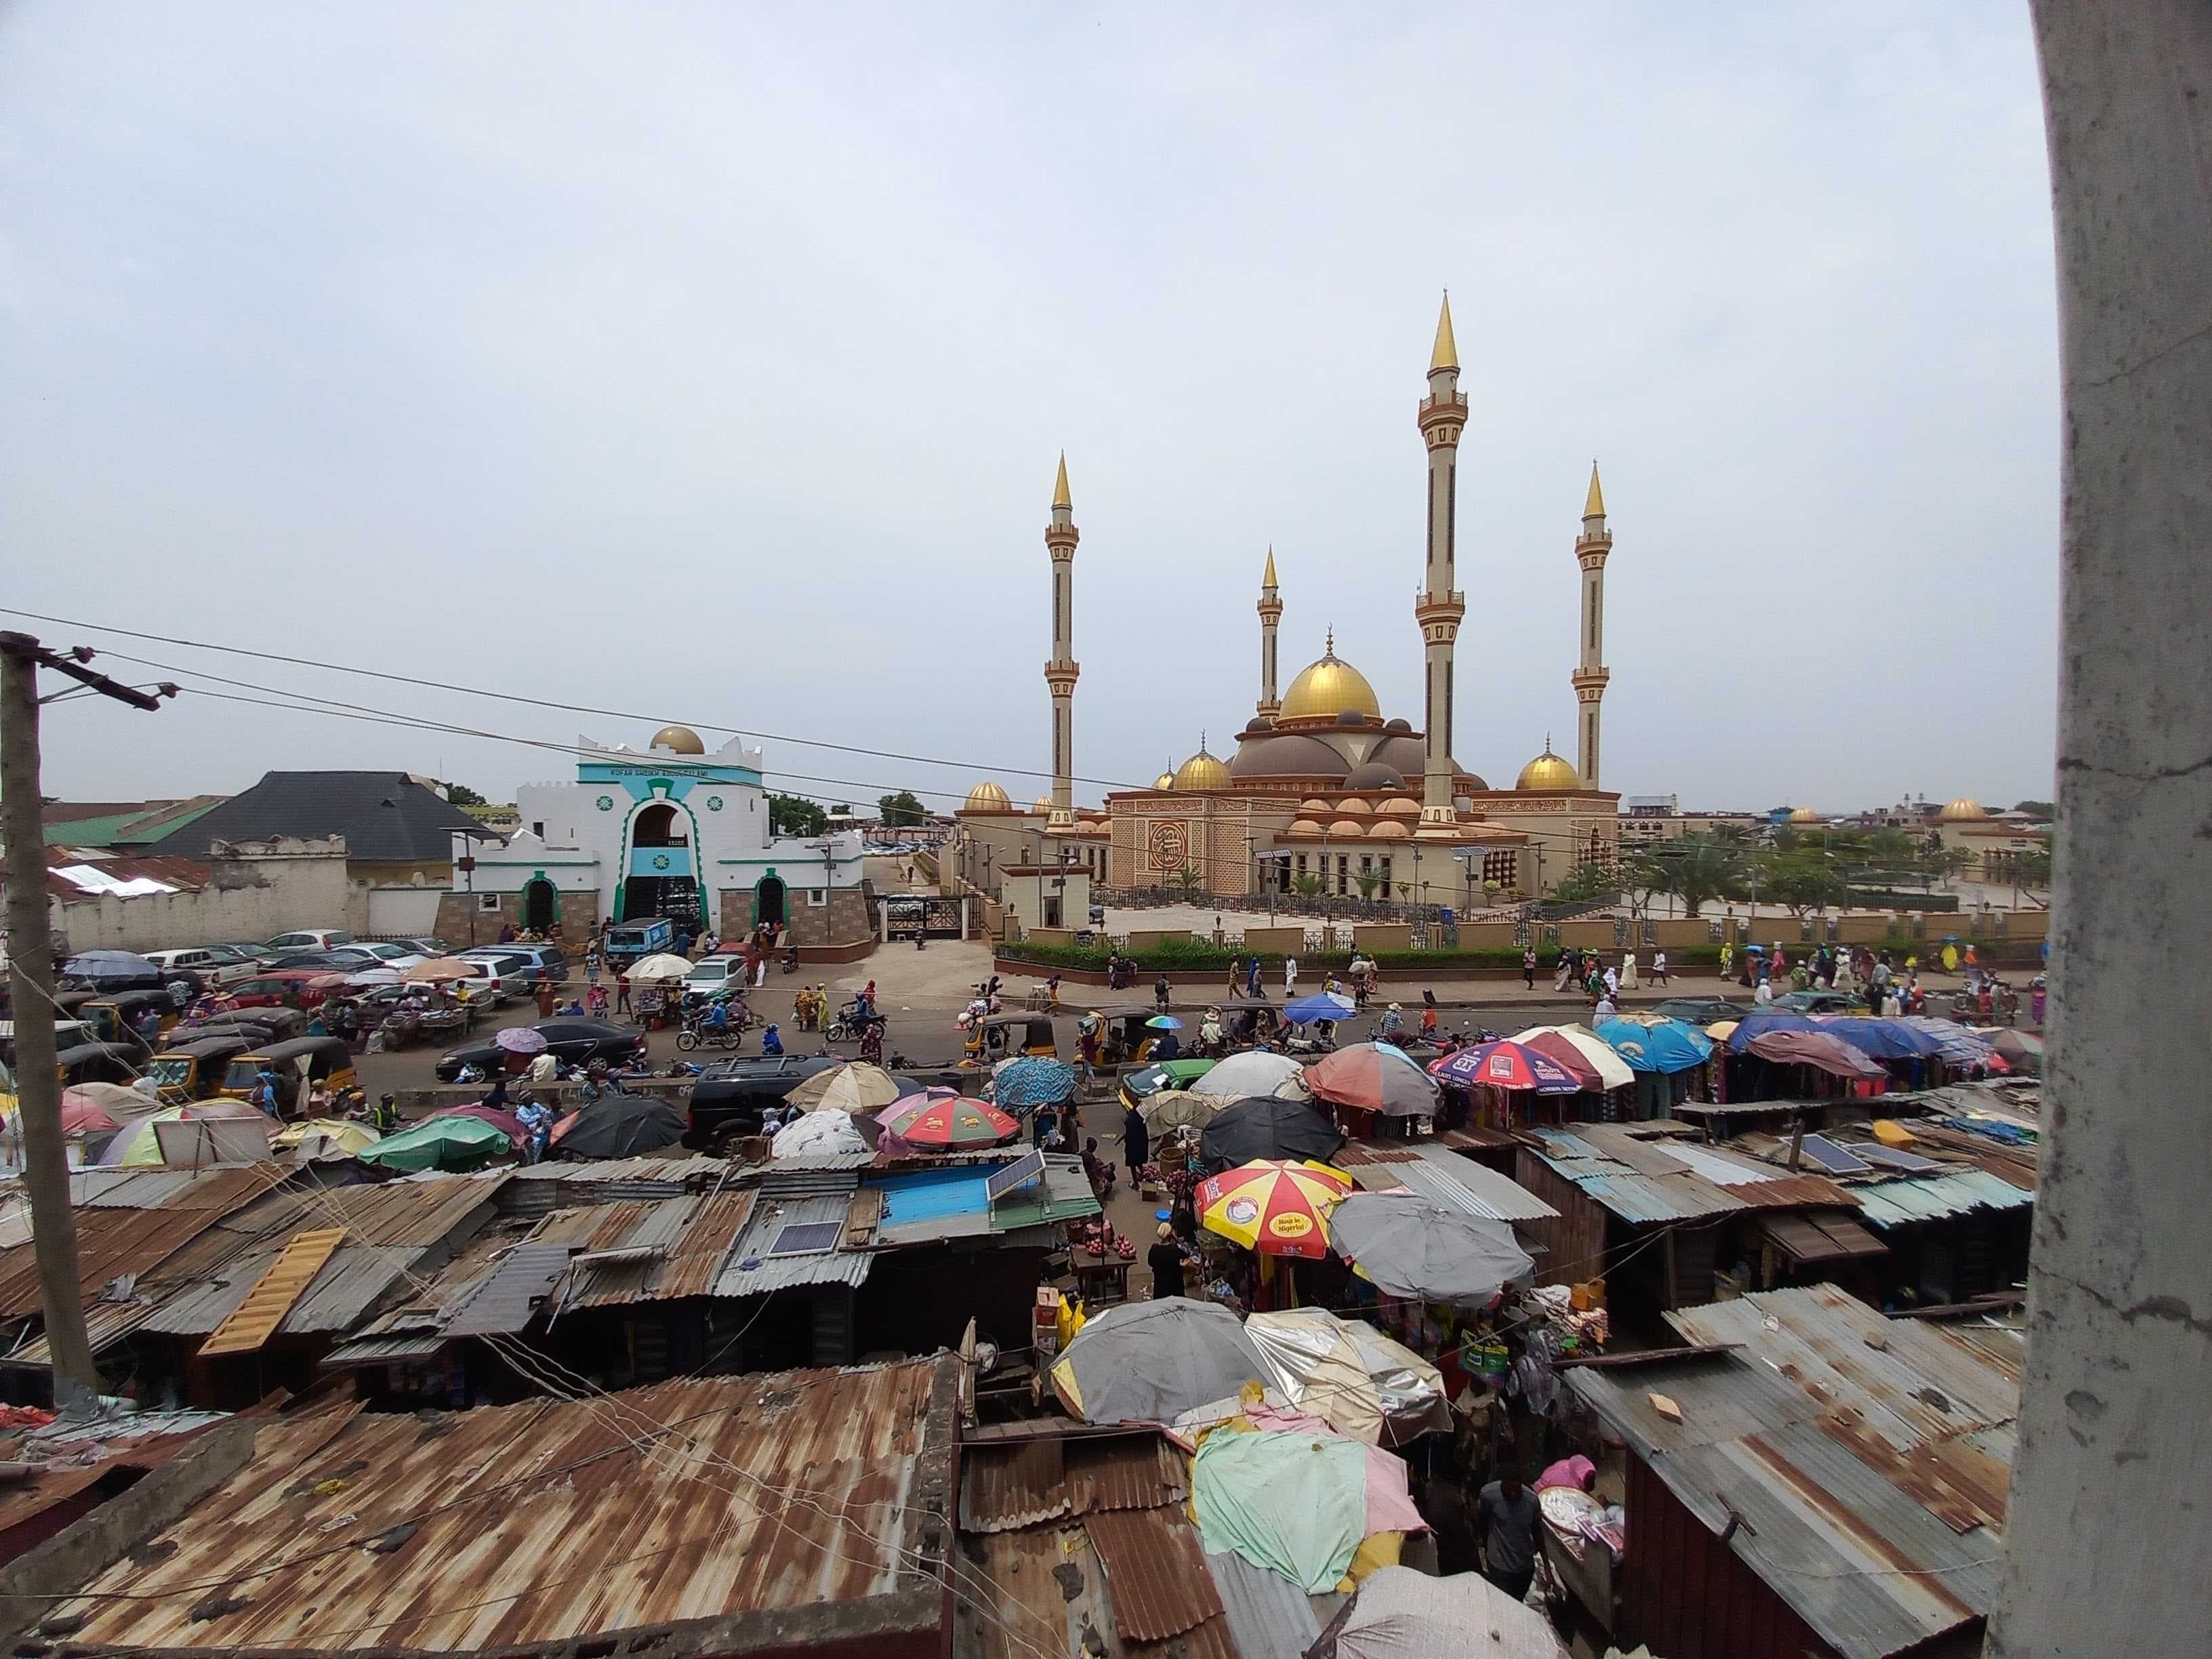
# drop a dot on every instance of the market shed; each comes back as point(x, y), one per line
point(810, 1511)
point(1813, 1477)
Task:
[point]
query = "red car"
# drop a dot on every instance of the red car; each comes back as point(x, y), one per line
point(279, 988)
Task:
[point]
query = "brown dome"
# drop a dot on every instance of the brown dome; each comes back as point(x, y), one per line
point(1312, 806)
point(1376, 776)
point(1400, 808)
point(1346, 827)
point(1302, 827)
point(1353, 804)
point(678, 740)
point(1285, 755)
point(1401, 753)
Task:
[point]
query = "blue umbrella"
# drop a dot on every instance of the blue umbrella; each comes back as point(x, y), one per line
point(1657, 1045)
point(1321, 1005)
point(1164, 1023)
point(1763, 1020)
point(1883, 1039)
point(1033, 1080)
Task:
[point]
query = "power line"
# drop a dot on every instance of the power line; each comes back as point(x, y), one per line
point(547, 702)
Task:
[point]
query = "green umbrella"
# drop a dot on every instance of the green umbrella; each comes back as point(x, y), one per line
point(441, 1143)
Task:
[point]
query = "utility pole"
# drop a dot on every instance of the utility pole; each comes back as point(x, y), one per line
point(31, 961)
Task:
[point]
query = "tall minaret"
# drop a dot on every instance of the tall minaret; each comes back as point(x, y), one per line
point(1271, 612)
point(1060, 673)
point(1590, 675)
point(1439, 608)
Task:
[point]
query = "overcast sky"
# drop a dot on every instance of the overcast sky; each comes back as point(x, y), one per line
point(712, 363)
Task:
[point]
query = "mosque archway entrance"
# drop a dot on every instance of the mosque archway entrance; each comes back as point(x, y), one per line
point(540, 908)
point(661, 880)
point(768, 902)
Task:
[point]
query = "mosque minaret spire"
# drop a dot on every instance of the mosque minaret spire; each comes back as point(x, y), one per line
point(1271, 612)
point(1060, 673)
point(1440, 606)
point(1592, 548)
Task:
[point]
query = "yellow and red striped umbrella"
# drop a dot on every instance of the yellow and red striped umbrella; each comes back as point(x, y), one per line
point(1276, 1207)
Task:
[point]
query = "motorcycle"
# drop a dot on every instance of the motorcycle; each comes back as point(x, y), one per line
point(850, 1022)
point(698, 1033)
point(791, 958)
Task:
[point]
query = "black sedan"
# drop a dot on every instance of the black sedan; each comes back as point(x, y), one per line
point(1700, 1011)
point(572, 1042)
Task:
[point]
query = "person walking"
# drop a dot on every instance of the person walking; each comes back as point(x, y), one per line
point(1727, 956)
point(1236, 977)
point(1165, 1260)
point(1506, 1512)
point(1658, 966)
point(547, 996)
point(1136, 1143)
point(622, 993)
point(591, 965)
point(1627, 980)
point(1252, 977)
point(1290, 977)
point(1161, 990)
point(1529, 966)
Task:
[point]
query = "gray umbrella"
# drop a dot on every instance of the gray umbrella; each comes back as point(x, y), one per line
point(1410, 1247)
point(1146, 1362)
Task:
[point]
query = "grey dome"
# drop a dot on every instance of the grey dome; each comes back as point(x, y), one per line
point(1398, 726)
point(1376, 776)
point(1352, 717)
point(1285, 755)
point(1401, 752)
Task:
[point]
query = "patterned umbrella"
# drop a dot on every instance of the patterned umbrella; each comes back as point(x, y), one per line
point(1376, 1077)
point(1276, 1208)
point(1033, 1080)
point(1505, 1065)
point(939, 1117)
point(521, 1040)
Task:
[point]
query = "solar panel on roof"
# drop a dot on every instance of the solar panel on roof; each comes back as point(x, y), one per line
point(808, 1238)
point(1021, 1171)
point(1893, 1157)
point(1834, 1158)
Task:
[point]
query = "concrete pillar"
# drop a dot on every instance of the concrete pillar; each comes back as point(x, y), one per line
point(2105, 1547)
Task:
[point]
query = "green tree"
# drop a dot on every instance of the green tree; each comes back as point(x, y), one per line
point(459, 794)
point(794, 815)
point(1585, 882)
point(1366, 881)
point(2031, 869)
point(1187, 880)
point(843, 809)
point(1695, 868)
point(1801, 881)
point(2041, 808)
point(1308, 885)
point(901, 811)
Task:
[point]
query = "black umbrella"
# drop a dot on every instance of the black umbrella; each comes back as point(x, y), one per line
point(622, 1125)
point(1267, 1126)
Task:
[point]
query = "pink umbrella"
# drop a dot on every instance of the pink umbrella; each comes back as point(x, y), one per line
point(82, 1114)
point(1814, 1049)
point(1375, 1077)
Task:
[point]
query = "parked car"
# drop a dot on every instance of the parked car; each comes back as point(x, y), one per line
point(718, 972)
point(425, 947)
point(573, 1041)
point(1700, 1011)
point(308, 938)
point(218, 965)
point(392, 954)
point(279, 988)
point(323, 962)
point(728, 1099)
point(1820, 1002)
point(522, 965)
point(630, 941)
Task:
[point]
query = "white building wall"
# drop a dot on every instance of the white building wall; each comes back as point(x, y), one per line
point(254, 897)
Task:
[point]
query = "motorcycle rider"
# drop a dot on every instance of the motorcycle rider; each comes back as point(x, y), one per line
point(771, 1041)
point(717, 1021)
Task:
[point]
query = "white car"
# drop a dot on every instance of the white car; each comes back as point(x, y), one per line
point(391, 955)
point(308, 938)
point(217, 965)
point(715, 973)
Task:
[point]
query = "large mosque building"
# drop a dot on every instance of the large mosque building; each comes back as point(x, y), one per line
point(1318, 784)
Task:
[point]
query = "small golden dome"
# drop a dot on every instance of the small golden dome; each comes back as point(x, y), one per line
point(1401, 807)
point(1329, 687)
point(1353, 804)
point(1804, 815)
point(1546, 773)
point(1201, 771)
point(1165, 780)
point(678, 740)
point(1346, 827)
point(1390, 829)
point(1302, 827)
point(1041, 804)
point(986, 797)
point(1314, 806)
point(1962, 811)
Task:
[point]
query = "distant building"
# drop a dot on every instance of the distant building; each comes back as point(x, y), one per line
point(395, 829)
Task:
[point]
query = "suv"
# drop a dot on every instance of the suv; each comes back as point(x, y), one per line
point(717, 972)
point(216, 964)
point(308, 938)
point(728, 1099)
point(522, 965)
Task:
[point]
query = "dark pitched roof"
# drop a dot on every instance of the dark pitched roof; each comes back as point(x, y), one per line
point(382, 816)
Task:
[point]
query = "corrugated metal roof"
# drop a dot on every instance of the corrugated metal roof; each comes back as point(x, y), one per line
point(771, 1494)
point(381, 1350)
point(1460, 1183)
point(749, 1270)
point(1637, 1183)
point(271, 1297)
point(691, 1236)
point(1155, 1571)
point(1268, 1614)
point(109, 1243)
point(1935, 1197)
point(1019, 1485)
point(505, 1300)
point(1868, 1457)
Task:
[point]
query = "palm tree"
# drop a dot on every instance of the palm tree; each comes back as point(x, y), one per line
point(1308, 885)
point(1186, 881)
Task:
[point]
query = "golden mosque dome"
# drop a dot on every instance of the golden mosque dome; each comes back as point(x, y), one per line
point(1547, 772)
point(1329, 687)
point(986, 797)
point(678, 740)
point(1962, 811)
point(1165, 780)
point(1804, 815)
point(1201, 771)
point(1041, 804)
